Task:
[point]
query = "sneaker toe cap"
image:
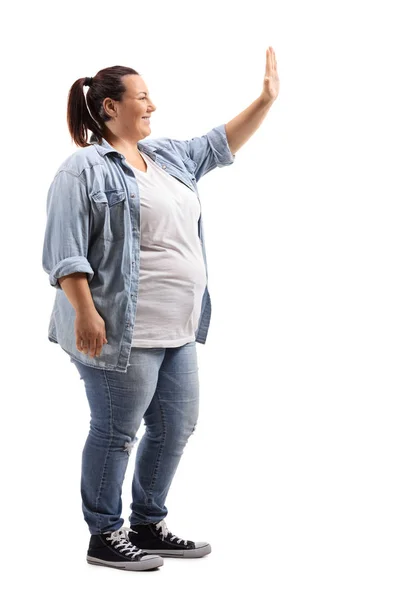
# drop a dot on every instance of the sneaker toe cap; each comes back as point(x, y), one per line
point(149, 557)
point(152, 559)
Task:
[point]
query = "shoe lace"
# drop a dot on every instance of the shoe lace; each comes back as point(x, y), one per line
point(120, 540)
point(165, 532)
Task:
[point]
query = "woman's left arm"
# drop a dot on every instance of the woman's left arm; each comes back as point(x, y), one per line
point(242, 127)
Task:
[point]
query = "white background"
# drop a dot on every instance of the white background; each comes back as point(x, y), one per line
point(292, 474)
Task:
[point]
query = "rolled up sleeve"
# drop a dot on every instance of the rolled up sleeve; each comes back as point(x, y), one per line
point(206, 152)
point(66, 238)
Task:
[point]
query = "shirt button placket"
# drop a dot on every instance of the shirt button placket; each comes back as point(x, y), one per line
point(133, 195)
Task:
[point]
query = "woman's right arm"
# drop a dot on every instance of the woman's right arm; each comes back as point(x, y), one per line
point(77, 290)
point(90, 332)
point(66, 238)
point(65, 256)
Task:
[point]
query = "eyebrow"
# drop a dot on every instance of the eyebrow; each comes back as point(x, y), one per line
point(145, 93)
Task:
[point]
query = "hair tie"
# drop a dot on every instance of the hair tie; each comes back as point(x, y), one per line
point(88, 81)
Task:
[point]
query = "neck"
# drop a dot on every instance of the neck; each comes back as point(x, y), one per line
point(124, 144)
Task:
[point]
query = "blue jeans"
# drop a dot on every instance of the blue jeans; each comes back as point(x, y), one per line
point(161, 385)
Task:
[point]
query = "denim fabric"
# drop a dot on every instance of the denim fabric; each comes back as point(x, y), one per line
point(161, 385)
point(93, 226)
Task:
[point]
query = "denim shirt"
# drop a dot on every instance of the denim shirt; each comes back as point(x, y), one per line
point(93, 227)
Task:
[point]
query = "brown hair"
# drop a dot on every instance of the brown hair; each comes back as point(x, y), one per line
point(107, 83)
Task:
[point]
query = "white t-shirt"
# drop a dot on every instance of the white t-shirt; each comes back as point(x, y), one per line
point(172, 276)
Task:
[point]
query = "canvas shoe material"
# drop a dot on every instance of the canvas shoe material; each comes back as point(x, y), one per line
point(114, 549)
point(155, 538)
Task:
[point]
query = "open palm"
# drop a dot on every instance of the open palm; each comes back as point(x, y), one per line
point(271, 78)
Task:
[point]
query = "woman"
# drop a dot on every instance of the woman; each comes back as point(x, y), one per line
point(124, 248)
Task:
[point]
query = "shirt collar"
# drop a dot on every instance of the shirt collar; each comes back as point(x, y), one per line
point(104, 147)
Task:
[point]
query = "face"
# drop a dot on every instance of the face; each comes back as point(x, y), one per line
point(128, 114)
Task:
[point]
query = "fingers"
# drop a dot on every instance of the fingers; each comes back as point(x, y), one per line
point(90, 333)
point(82, 346)
point(273, 55)
point(93, 347)
point(271, 58)
point(269, 62)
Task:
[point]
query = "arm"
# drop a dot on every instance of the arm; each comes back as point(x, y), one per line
point(242, 127)
point(66, 238)
point(205, 152)
point(77, 290)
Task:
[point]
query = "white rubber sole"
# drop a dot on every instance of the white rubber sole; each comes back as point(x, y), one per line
point(192, 553)
point(146, 563)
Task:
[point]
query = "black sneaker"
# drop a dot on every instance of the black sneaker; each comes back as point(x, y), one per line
point(114, 549)
point(155, 538)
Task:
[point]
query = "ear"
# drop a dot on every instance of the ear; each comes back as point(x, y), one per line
point(110, 107)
